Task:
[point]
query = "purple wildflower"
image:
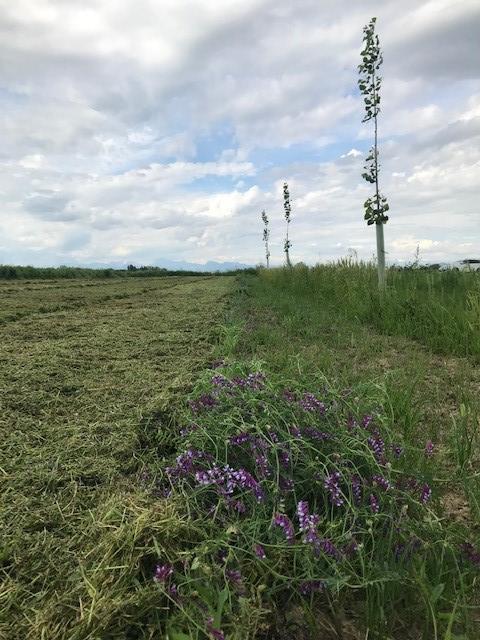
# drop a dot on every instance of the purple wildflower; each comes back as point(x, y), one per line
point(316, 434)
point(162, 572)
point(260, 552)
point(312, 404)
point(284, 522)
point(235, 578)
point(206, 401)
point(405, 550)
point(377, 445)
point(357, 489)
point(213, 632)
point(308, 523)
point(381, 481)
point(374, 505)
point(429, 447)
point(240, 438)
point(367, 421)
point(331, 484)
point(329, 548)
point(311, 586)
point(397, 450)
point(263, 468)
point(425, 494)
point(220, 381)
point(288, 395)
point(172, 591)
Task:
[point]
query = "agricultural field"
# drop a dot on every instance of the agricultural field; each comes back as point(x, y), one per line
point(281, 455)
point(86, 369)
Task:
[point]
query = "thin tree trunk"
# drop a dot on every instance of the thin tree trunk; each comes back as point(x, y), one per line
point(380, 256)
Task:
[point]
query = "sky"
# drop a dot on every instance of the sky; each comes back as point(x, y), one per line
point(149, 130)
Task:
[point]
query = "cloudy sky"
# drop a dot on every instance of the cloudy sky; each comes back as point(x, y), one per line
point(142, 130)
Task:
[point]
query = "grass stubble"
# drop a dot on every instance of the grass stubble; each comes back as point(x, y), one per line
point(98, 500)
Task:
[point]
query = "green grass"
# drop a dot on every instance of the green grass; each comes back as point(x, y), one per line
point(440, 309)
point(86, 374)
point(95, 381)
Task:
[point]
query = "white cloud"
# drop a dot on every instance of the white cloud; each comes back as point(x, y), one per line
point(144, 130)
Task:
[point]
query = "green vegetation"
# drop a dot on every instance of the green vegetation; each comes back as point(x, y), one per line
point(440, 309)
point(16, 272)
point(318, 480)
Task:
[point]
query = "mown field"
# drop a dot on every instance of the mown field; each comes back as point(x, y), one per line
point(85, 369)
point(281, 455)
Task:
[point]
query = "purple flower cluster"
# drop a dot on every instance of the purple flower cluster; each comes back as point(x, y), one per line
point(312, 404)
point(328, 548)
point(429, 447)
point(186, 463)
point(311, 586)
point(425, 493)
point(227, 480)
point(204, 402)
point(221, 381)
point(162, 572)
point(357, 489)
point(240, 439)
point(284, 522)
point(295, 431)
point(397, 450)
point(374, 504)
point(377, 445)
point(254, 381)
point(288, 395)
point(260, 552)
point(331, 484)
point(405, 550)
point(316, 434)
point(308, 523)
point(381, 482)
point(213, 632)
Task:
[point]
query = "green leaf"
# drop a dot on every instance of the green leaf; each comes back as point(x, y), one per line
point(437, 592)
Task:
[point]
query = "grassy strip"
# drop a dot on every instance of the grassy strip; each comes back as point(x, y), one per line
point(440, 309)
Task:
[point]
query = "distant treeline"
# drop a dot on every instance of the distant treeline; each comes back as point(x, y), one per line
point(9, 272)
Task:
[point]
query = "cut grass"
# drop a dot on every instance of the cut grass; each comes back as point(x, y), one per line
point(81, 388)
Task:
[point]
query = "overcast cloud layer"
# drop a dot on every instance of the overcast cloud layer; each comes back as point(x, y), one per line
point(142, 130)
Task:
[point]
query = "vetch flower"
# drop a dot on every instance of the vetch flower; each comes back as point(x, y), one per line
point(357, 489)
point(284, 522)
point(374, 505)
point(260, 552)
point(162, 572)
point(308, 523)
point(311, 586)
point(312, 404)
point(425, 494)
point(429, 447)
point(381, 481)
point(331, 484)
point(213, 632)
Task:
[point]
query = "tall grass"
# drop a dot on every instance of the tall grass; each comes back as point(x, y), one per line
point(440, 309)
